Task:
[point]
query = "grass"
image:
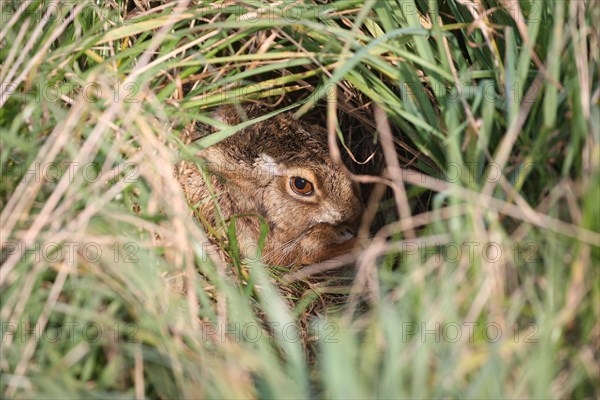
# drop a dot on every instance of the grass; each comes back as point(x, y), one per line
point(487, 286)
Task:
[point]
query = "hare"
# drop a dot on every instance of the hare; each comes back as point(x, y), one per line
point(277, 171)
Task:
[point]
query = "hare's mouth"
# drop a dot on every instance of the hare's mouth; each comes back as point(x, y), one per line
point(346, 234)
point(312, 245)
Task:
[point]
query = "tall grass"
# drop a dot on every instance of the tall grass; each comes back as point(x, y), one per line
point(482, 282)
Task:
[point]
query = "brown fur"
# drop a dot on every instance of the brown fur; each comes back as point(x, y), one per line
point(250, 174)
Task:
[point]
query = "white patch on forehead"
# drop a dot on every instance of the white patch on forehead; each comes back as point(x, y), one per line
point(269, 165)
point(265, 158)
point(217, 116)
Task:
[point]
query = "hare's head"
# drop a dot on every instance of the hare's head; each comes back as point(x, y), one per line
point(281, 169)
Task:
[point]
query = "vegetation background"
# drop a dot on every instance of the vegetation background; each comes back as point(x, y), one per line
point(487, 286)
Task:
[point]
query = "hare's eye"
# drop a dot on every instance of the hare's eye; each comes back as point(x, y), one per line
point(301, 186)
